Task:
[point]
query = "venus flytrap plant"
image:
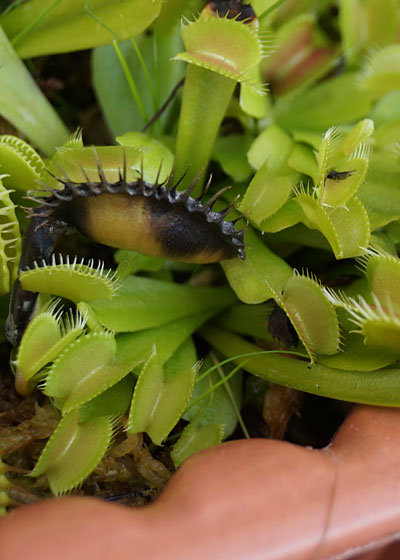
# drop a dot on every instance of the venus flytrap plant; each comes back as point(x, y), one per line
point(341, 185)
point(130, 262)
point(128, 351)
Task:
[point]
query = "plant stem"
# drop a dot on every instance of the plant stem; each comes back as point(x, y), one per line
point(206, 96)
point(381, 387)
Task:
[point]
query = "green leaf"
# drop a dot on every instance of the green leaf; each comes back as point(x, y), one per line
point(73, 451)
point(73, 160)
point(287, 216)
point(380, 194)
point(217, 406)
point(230, 152)
point(183, 358)
point(302, 159)
point(24, 105)
point(130, 262)
point(274, 145)
point(118, 106)
point(72, 25)
point(332, 102)
point(386, 109)
point(253, 99)
point(142, 303)
point(195, 438)
point(266, 194)
point(250, 320)
point(356, 355)
point(136, 347)
point(249, 278)
point(111, 402)
point(359, 134)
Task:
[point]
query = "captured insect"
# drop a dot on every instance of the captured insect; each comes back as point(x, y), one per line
point(281, 328)
point(152, 218)
point(338, 175)
point(233, 9)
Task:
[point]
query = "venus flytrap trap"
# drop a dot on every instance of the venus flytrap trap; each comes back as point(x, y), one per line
point(10, 240)
point(315, 53)
point(21, 162)
point(382, 272)
point(381, 71)
point(159, 400)
point(46, 336)
point(72, 280)
point(311, 313)
point(63, 461)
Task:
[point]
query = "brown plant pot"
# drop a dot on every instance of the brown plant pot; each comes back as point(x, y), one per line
point(243, 500)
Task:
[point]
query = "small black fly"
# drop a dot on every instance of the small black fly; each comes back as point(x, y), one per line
point(338, 175)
